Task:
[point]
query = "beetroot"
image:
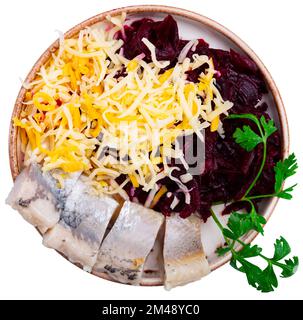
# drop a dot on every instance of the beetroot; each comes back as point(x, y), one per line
point(242, 89)
point(163, 34)
point(229, 169)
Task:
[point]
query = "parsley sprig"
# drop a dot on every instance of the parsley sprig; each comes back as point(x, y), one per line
point(248, 139)
point(239, 224)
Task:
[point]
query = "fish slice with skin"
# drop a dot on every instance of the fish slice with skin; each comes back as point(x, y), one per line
point(82, 225)
point(124, 250)
point(37, 198)
point(184, 258)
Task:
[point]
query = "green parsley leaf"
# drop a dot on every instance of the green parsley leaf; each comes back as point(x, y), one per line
point(290, 267)
point(286, 193)
point(285, 169)
point(247, 138)
point(263, 280)
point(239, 223)
point(233, 263)
point(229, 234)
point(268, 280)
point(253, 272)
point(268, 127)
point(258, 221)
point(249, 251)
point(222, 251)
point(282, 249)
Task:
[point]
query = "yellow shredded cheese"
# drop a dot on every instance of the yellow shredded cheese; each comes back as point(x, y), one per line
point(215, 124)
point(158, 195)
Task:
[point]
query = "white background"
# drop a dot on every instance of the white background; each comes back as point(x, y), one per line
point(29, 270)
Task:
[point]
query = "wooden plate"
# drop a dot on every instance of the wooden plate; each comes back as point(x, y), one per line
point(191, 26)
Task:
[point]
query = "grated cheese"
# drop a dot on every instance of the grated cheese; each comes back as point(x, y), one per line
point(152, 50)
point(174, 203)
point(78, 116)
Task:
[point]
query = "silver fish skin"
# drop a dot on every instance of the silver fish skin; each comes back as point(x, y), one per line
point(184, 258)
point(37, 198)
point(83, 222)
point(124, 250)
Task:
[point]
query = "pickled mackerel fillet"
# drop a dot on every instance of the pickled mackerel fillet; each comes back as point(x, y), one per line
point(124, 250)
point(83, 222)
point(37, 198)
point(184, 258)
